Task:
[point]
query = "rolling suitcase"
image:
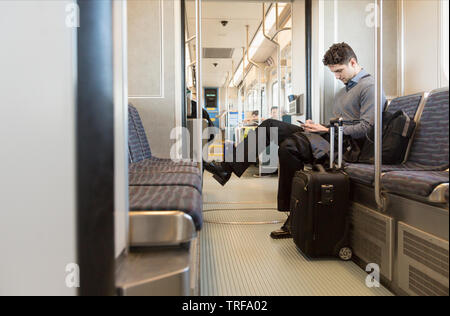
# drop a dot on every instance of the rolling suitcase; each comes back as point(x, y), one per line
point(319, 205)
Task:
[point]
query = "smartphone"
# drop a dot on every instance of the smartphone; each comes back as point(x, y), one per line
point(301, 123)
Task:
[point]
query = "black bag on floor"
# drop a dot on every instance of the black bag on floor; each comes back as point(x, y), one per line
point(319, 205)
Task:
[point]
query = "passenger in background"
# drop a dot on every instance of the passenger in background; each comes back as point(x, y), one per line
point(297, 145)
point(254, 119)
point(205, 116)
point(274, 113)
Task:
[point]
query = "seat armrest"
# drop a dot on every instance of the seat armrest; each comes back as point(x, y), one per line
point(160, 228)
point(438, 194)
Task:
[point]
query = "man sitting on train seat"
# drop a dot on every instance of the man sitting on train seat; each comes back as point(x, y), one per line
point(205, 116)
point(297, 145)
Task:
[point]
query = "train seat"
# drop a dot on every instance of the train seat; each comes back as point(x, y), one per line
point(139, 148)
point(140, 156)
point(428, 155)
point(165, 179)
point(365, 173)
point(165, 196)
point(146, 166)
point(418, 184)
point(168, 198)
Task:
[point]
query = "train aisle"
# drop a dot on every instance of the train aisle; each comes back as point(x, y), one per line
point(238, 257)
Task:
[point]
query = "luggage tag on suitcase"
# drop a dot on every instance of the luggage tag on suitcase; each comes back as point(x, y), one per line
point(326, 190)
point(327, 194)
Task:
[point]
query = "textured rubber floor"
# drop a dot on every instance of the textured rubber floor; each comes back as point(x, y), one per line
point(247, 190)
point(238, 257)
point(244, 216)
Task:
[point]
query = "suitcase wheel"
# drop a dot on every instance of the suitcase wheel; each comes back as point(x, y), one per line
point(345, 253)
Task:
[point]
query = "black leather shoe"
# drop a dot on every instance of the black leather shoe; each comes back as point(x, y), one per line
point(280, 234)
point(284, 231)
point(220, 171)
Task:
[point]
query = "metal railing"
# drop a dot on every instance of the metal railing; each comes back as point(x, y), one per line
point(379, 198)
point(198, 153)
point(278, 52)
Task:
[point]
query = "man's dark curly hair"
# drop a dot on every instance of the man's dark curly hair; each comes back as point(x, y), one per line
point(339, 54)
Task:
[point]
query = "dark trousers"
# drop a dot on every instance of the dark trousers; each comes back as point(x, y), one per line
point(294, 151)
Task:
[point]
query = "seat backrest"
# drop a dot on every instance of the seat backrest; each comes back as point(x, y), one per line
point(137, 131)
point(135, 152)
point(430, 146)
point(409, 104)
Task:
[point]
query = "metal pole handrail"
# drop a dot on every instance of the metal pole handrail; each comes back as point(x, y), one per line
point(243, 56)
point(251, 61)
point(278, 54)
point(226, 79)
point(198, 69)
point(264, 27)
point(190, 66)
point(379, 198)
point(281, 30)
point(190, 39)
point(243, 59)
point(226, 105)
point(278, 31)
point(231, 73)
point(244, 73)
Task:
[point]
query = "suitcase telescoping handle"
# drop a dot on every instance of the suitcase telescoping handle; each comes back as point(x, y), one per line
point(333, 123)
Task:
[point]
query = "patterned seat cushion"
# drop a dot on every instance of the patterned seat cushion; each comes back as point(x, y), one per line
point(420, 183)
point(365, 173)
point(165, 198)
point(360, 172)
point(147, 166)
point(409, 104)
point(160, 161)
point(165, 179)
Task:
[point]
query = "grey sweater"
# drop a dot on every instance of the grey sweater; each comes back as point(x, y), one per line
point(356, 102)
